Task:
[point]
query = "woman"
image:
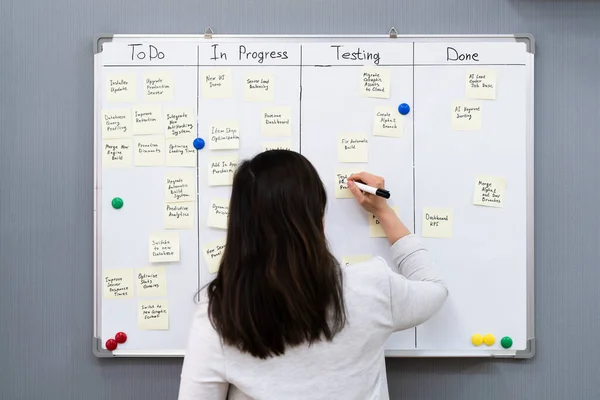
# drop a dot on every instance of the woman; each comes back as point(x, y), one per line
point(282, 319)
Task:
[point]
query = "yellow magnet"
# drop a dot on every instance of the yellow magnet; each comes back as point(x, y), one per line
point(489, 339)
point(477, 339)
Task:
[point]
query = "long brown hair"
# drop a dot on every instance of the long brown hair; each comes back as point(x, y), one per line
point(278, 284)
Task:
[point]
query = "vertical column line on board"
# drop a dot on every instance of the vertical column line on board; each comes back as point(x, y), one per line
point(197, 163)
point(413, 154)
point(300, 111)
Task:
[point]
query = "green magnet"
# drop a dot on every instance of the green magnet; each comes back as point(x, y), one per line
point(117, 202)
point(506, 342)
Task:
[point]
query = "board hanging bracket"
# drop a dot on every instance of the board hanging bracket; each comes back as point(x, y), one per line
point(393, 33)
point(208, 33)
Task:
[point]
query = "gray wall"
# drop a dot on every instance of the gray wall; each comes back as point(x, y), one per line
point(46, 187)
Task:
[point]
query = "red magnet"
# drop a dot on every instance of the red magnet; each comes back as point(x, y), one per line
point(121, 337)
point(111, 344)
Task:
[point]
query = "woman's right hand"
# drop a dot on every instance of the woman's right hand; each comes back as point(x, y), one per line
point(370, 202)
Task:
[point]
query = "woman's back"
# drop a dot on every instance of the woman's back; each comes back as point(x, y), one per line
point(378, 302)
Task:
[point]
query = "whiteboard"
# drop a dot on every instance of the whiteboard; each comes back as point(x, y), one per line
point(488, 260)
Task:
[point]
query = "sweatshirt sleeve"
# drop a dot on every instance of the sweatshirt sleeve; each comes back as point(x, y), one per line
point(418, 291)
point(203, 375)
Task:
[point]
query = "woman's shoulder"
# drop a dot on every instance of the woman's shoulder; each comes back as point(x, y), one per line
point(368, 271)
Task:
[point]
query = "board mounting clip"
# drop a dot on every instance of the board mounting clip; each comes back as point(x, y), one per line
point(208, 33)
point(393, 33)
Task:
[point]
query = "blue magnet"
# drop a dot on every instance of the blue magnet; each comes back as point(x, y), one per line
point(403, 108)
point(199, 143)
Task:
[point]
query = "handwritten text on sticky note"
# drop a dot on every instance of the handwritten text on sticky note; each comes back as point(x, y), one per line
point(117, 153)
point(153, 315)
point(221, 170)
point(258, 87)
point(116, 123)
point(216, 84)
point(437, 222)
point(353, 148)
point(147, 120)
point(179, 122)
point(213, 252)
point(280, 145)
point(180, 152)
point(224, 135)
point(151, 282)
point(481, 84)
point(218, 213)
point(276, 121)
point(388, 122)
point(180, 186)
point(150, 151)
point(489, 191)
point(466, 116)
point(118, 283)
point(341, 183)
point(164, 247)
point(121, 88)
point(158, 86)
point(179, 215)
point(375, 82)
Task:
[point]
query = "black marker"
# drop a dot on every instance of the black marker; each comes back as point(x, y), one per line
point(370, 189)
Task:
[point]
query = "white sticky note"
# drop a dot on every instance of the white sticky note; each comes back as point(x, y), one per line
point(356, 259)
point(279, 145)
point(388, 122)
point(341, 184)
point(217, 84)
point(118, 283)
point(466, 116)
point(353, 148)
point(117, 153)
point(213, 252)
point(151, 282)
point(153, 315)
point(481, 84)
point(489, 191)
point(276, 121)
point(258, 87)
point(218, 213)
point(121, 88)
point(164, 247)
point(180, 152)
point(224, 135)
point(375, 82)
point(180, 186)
point(375, 229)
point(179, 215)
point(149, 151)
point(221, 170)
point(116, 124)
point(158, 86)
point(437, 222)
point(180, 122)
point(147, 119)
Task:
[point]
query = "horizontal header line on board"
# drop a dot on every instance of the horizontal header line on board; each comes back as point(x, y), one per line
point(310, 65)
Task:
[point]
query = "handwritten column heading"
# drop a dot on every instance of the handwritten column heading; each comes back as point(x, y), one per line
point(250, 54)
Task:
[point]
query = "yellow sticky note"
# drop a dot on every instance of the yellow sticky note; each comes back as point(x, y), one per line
point(213, 252)
point(481, 84)
point(281, 145)
point(375, 82)
point(118, 283)
point(151, 282)
point(217, 83)
point(180, 186)
point(221, 170)
point(258, 87)
point(179, 215)
point(375, 229)
point(224, 135)
point(179, 122)
point(356, 259)
point(466, 116)
point(117, 153)
point(437, 222)
point(116, 123)
point(121, 88)
point(180, 152)
point(341, 184)
point(150, 151)
point(147, 119)
point(388, 122)
point(276, 121)
point(158, 86)
point(164, 247)
point(218, 213)
point(153, 315)
point(489, 191)
point(353, 148)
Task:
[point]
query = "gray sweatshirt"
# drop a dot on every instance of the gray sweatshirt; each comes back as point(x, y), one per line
point(379, 302)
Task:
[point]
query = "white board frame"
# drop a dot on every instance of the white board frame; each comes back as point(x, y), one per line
point(529, 352)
